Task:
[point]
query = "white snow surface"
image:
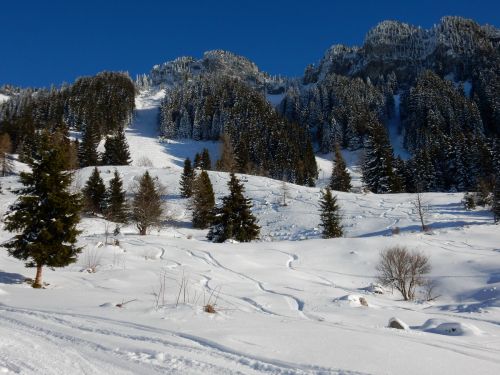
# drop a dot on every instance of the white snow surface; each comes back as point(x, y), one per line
point(286, 304)
point(4, 98)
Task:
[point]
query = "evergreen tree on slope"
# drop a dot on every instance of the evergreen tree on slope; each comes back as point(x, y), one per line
point(203, 201)
point(187, 179)
point(378, 172)
point(340, 180)
point(46, 213)
point(234, 218)
point(94, 193)
point(330, 217)
point(116, 149)
point(87, 154)
point(116, 205)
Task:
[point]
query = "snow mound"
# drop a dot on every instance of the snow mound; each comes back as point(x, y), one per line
point(353, 300)
point(398, 324)
point(450, 328)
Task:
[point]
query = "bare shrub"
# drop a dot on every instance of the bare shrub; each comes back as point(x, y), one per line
point(92, 258)
point(395, 231)
point(403, 270)
point(144, 161)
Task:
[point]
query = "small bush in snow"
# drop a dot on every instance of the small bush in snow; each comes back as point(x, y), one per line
point(403, 270)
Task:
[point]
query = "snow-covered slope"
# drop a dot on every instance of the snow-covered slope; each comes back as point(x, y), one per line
point(288, 304)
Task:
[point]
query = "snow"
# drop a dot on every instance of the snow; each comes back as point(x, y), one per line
point(4, 98)
point(287, 304)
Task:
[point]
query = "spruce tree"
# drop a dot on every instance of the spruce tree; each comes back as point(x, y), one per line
point(116, 149)
point(227, 161)
point(203, 201)
point(46, 214)
point(187, 179)
point(340, 180)
point(206, 163)
point(496, 201)
point(87, 154)
point(94, 193)
point(378, 171)
point(330, 217)
point(147, 206)
point(197, 161)
point(234, 218)
point(6, 164)
point(116, 205)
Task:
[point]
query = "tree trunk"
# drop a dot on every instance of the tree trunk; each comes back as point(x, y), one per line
point(38, 277)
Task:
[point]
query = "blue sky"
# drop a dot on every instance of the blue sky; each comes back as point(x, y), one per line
point(51, 41)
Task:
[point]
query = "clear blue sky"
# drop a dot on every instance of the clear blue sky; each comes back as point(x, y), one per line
point(51, 41)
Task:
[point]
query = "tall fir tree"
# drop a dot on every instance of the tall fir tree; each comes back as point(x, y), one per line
point(46, 214)
point(116, 204)
point(197, 161)
point(378, 171)
point(330, 216)
point(187, 179)
point(147, 205)
point(496, 201)
point(203, 201)
point(340, 180)
point(227, 161)
point(6, 164)
point(206, 163)
point(234, 218)
point(94, 193)
point(87, 154)
point(116, 149)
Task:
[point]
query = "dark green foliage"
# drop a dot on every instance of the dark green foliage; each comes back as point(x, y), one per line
point(469, 201)
point(330, 216)
point(234, 218)
point(116, 149)
point(87, 154)
point(147, 206)
point(378, 172)
point(46, 213)
point(187, 179)
point(206, 163)
point(496, 201)
point(203, 201)
point(263, 143)
point(197, 161)
point(103, 102)
point(340, 180)
point(116, 205)
point(335, 110)
point(94, 193)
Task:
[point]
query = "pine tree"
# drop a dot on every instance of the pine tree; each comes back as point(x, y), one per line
point(378, 171)
point(6, 164)
point(116, 149)
point(340, 180)
point(187, 179)
point(94, 193)
point(116, 205)
point(147, 206)
point(496, 201)
point(88, 155)
point(227, 161)
point(197, 161)
point(330, 217)
point(46, 213)
point(234, 218)
point(203, 201)
point(206, 163)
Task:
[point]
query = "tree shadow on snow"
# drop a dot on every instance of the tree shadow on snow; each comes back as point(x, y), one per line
point(11, 278)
